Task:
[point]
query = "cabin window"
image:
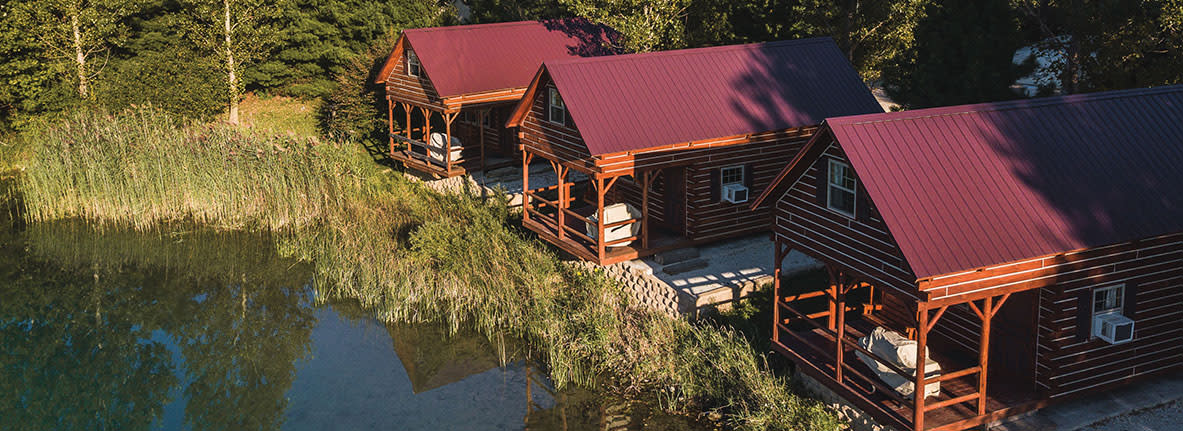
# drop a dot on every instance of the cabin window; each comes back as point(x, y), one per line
point(731, 175)
point(413, 66)
point(558, 111)
point(1108, 300)
point(840, 195)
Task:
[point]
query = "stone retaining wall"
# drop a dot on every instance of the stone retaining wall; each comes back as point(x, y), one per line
point(858, 420)
point(642, 288)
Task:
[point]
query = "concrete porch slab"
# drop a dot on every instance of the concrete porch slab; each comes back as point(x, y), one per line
point(507, 180)
point(734, 269)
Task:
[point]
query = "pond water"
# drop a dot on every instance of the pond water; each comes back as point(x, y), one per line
point(208, 330)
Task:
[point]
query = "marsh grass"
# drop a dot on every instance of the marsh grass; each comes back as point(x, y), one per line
point(407, 254)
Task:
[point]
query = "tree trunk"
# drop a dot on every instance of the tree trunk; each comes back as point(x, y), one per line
point(79, 58)
point(232, 77)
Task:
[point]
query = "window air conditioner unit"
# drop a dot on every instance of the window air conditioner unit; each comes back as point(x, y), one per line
point(1113, 328)
point(735, 193)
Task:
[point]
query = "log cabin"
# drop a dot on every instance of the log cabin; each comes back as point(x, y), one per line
point(450, 89)
point(1033, 249)
point(656, 151)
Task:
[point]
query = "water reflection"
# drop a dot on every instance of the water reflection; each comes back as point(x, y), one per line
point(207, 330)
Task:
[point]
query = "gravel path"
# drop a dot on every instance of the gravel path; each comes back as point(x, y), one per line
point(1167, 417)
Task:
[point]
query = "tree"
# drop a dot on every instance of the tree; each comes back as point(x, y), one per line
point(157, 66)
point(646, 25)
point(963, 53)
point(318, 38)
point(487, 11)
point(72, 32)
point(239, 31)
point(1101, 45)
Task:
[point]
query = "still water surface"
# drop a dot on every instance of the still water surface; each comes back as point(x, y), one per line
point(204, 330)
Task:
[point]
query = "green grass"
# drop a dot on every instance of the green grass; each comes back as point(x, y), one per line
point(405, 253)
point(280, 115)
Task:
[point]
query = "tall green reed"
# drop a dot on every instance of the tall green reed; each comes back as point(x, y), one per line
point(408, 254)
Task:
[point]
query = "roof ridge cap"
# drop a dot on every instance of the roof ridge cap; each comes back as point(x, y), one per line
point(480, 26)
point(685, 51)
point(1010, 105)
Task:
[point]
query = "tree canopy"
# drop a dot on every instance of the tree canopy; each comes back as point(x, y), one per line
point(173, 53)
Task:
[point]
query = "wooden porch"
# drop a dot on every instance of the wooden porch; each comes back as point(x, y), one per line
point(819, 330)
point(411, 145)
point(561, 217)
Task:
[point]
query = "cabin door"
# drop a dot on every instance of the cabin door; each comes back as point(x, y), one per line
point(1013, 343)
point(673, 211)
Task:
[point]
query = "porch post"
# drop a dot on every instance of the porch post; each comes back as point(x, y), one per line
point(984, 352)
point(525, 185)
point(921, 364)
point(390, 120)
point(831, 319)
point(560, 172)
point(480, 126)
point(600, 217)
point(407, 109)
point(840, 308)
point(646, 179)
point(778, 257)
point(427, 130)
point(448, 141)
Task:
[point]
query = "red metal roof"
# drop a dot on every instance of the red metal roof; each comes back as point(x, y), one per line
point(488, 57)
point(637, 101)
point(972, 186)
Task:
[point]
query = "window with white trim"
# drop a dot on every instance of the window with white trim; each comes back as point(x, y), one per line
point(413, 66)
point(840, 195)
point(731, 175)
point(1108, 299)
point(558, 111)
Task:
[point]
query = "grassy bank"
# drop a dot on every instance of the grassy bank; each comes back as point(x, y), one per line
point(405, 253)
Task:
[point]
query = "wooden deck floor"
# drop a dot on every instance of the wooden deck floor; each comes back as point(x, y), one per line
point(417, 162)
point(547, 229)
point(1001, 400)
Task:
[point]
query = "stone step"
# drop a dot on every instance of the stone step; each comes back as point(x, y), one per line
point(675, 256)
point(685, 266)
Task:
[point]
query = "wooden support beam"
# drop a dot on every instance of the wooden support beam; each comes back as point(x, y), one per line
point(987, 314)
point(777, 262)
point(525, 186)
point(427, 128)
point(390, 119)
point(407, 125)
point(600, 191)
point(840, 309)
point(646, 182)
point(483, 115)
point(448, 141)
point(921, 365)
point(560, 215)
point(936, 317)
point(831, 322)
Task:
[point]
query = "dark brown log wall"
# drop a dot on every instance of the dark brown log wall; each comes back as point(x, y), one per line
point(861, 245)
point(406, 88)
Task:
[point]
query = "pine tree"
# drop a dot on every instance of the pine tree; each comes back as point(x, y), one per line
point(963, 53)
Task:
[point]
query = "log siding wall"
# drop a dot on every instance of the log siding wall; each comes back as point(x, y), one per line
point(413, 89)
point(863, 246)
point(707, 218)
point(1065, 364)
point(550, 140)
